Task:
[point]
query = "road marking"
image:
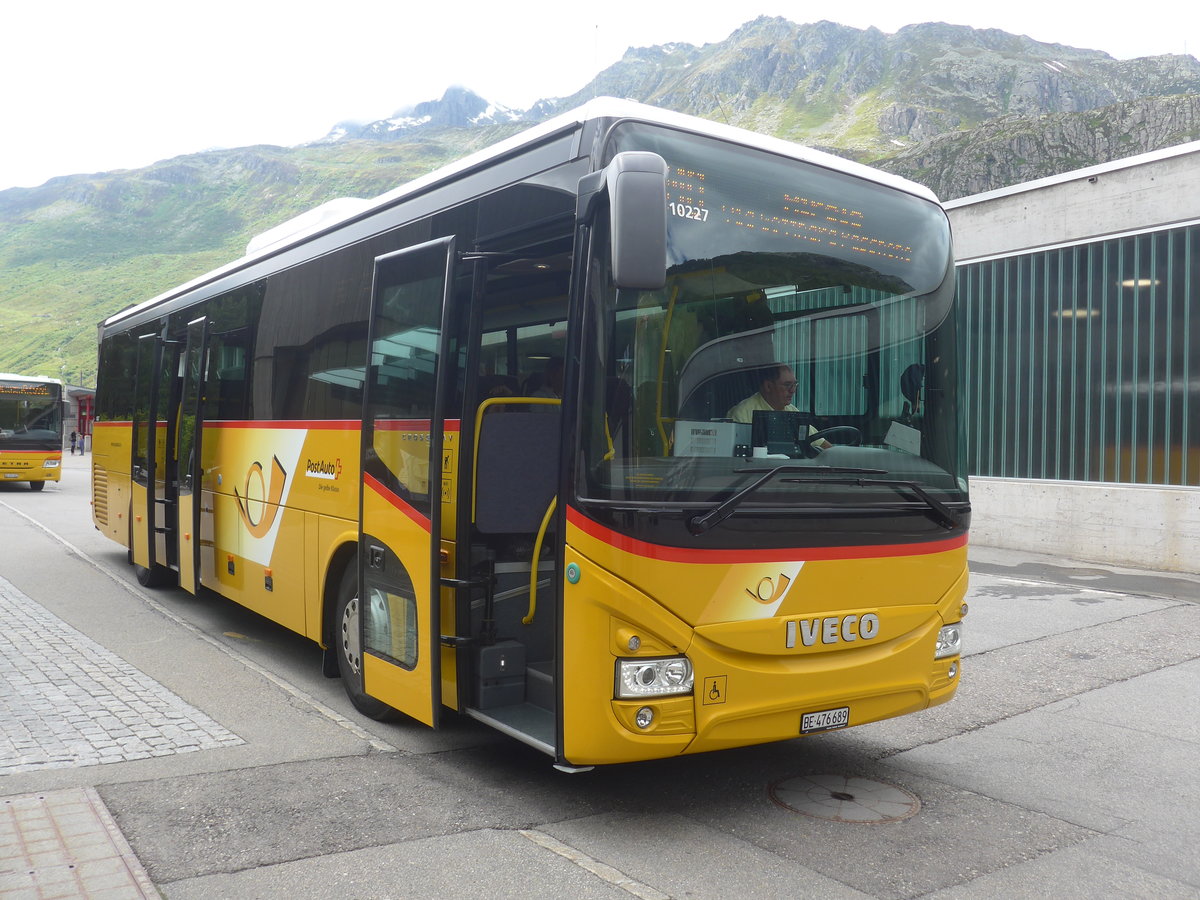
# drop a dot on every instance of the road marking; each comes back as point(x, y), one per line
point(605, 872)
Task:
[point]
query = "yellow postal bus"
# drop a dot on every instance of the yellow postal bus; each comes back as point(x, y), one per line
point(478, 438)
point(31, 429)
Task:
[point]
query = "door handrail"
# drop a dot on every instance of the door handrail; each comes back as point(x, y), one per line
point(533, 566)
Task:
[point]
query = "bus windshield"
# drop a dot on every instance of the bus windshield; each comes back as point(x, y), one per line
point(807, 321)
point(30, 415)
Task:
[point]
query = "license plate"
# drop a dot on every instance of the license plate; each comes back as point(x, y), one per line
point(12, 474)
point(825, 720)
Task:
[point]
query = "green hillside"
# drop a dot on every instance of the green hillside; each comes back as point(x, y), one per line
point(82, 247)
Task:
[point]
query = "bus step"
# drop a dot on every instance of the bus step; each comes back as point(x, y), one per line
point(539, 684)
point(524, 721)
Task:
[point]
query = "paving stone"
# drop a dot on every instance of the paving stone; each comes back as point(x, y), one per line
point(79, 851)
point(70, 702)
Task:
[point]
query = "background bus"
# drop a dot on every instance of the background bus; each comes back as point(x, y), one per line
point(31, 429)
point(358, 432)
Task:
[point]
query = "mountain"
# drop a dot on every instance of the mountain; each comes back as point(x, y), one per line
point(81, 247)
point(873, 96)
point(962, 110)
point(458, 108)
point(1015, 149)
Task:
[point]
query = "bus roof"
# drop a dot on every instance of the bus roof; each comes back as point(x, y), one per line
point(338, 212)
point(40, 379)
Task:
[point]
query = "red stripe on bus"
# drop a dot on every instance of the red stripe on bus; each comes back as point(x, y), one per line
point(729, 556)
point(309, 424)
point(393, 499)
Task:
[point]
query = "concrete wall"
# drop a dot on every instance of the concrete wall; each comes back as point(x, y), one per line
point(1138, 526)
point(1126, 525)
point(1149, 191)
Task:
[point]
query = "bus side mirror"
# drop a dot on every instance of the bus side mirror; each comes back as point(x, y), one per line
point(636, 183)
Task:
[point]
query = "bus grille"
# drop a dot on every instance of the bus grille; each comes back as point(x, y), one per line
point(100, 494)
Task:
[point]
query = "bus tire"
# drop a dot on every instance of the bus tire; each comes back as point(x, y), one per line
point(153, 577)
point(36, 485)
point(347, 648)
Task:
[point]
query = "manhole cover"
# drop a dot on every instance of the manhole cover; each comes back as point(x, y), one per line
point(844, 798)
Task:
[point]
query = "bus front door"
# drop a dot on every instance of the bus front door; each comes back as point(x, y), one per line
point(401, 520)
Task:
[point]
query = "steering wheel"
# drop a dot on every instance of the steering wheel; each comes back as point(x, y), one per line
point(838, 434)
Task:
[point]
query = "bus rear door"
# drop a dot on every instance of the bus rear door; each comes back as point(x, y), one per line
point(190, 432)
point(154, 494)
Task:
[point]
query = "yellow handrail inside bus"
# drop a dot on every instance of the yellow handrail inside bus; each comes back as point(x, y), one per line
point(537, 554)
point(484, 407)
point(662, 365)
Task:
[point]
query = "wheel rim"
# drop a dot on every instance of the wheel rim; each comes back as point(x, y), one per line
point(351, 648)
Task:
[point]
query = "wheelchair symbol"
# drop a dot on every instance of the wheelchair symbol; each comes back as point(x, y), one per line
point(714, 689)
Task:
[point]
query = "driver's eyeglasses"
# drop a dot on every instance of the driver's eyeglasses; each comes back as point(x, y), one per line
point(789, 385)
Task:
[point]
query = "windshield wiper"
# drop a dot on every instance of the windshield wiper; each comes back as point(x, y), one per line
point(701, 523)
point(941, 513)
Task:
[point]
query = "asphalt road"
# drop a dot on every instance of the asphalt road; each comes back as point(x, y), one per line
point(1067, 766)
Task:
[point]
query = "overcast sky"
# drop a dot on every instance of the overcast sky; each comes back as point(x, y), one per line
point(94, 86)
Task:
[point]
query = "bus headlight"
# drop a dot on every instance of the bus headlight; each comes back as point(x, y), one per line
point(949, 641)
point(653, 677)
point(50, 464)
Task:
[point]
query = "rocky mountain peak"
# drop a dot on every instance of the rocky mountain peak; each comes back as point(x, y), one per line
point(458, 107)
point(887, 99)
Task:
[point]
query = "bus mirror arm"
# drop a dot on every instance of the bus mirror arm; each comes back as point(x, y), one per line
point(635, 183)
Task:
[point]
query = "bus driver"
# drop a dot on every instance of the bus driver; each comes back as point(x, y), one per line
point(775, 391)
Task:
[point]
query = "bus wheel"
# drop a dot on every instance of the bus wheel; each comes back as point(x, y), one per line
point(154, 577)
point(36, 485)
point(348, 645)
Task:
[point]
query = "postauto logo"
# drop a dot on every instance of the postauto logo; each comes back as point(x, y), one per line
point(327, 470)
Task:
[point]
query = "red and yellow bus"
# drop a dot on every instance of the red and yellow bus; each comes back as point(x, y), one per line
point(31, 429)
point(477, 439)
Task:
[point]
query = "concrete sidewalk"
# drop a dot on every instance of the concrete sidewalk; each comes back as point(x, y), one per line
point(65, 844)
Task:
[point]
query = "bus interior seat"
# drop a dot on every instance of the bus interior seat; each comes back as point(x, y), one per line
point(715, 397)
point(497, 386)
point(532, 384)
point(517, 470)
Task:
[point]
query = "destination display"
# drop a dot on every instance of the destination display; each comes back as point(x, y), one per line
point(813, 222)
point(30, 389)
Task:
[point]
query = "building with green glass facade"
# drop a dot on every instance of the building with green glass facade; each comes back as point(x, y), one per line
point(1080, 331)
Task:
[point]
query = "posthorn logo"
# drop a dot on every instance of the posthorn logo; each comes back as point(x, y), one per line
point(258, 501)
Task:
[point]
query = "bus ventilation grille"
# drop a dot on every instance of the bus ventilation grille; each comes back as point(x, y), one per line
point(100, 495)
